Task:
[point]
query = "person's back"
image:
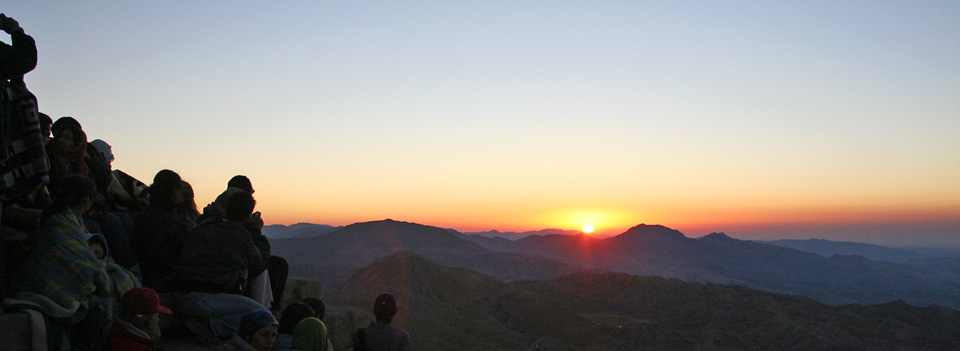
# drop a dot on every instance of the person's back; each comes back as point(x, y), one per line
point(385, 337)
point(215, 256)
point(382, 336)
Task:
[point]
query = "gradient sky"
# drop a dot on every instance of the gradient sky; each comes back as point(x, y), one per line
point(826, 119)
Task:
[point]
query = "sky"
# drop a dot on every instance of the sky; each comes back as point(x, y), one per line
point(764, 120)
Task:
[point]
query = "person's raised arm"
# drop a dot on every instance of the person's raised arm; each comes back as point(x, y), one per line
point(20, 57)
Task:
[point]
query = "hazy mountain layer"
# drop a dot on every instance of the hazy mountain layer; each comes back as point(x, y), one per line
point(645, 250)
point(338, 254)
point(457, 309)
point(653, 250)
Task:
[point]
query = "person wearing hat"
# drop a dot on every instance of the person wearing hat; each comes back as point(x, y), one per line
point(381, 336)
point(139, 320)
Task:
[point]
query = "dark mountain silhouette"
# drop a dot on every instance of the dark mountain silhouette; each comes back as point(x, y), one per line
point(299, 230)
point(332, 257)
point(458, 309)
point(653, 250)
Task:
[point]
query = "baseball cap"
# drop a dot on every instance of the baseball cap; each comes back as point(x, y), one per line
point(142, 301)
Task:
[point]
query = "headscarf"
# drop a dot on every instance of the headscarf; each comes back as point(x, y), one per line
point(309, 335)
point(254, 321)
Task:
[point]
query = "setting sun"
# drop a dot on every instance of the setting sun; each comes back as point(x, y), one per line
point(588, 229)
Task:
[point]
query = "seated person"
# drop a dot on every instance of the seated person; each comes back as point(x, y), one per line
point(213, 267)
point(62, 267)
point(293, 314)
point(139, 321)
point(381, 336)
point(158, 235)
point(121, 280)
point(310, 335)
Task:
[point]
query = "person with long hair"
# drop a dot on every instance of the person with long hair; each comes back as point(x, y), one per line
point(158, 234)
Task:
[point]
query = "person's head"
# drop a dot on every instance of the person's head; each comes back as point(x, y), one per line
point(293, 314)
point(63, 122)
point(141, 308)
point(259, 329)
point(319, 308)
point(69, 136)
point(98, 245)
point(309, 334)
point(104, 149)
point(75, 192)
point(242, 182)
point(45, 124)
point(240, 207)
point(166, 187)
point(385, 307)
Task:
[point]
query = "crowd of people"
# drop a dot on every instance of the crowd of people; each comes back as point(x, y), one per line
point(94, 248)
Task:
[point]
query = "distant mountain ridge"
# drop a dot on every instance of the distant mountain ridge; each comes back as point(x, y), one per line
point(349, 248)
point(654, 250)
point(521, 235)
point(645, 250)
point(829, 248)
point(299, 230)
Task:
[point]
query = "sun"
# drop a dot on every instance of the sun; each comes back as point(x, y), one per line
point(588, 229)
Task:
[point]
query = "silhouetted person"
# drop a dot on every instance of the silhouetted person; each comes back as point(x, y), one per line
point(381, 336)
point(291, 315)
point(66, 151)
point(24, 162)
point(265, 286)
point(98, 168)
point(213, 268)
point(21, 56)
point(319, 308)
point(63, 268)
point(241, 182)
point(158, 235)
point(125, 193)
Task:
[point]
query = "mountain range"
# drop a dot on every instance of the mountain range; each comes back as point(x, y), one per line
point(644, 250)
point(447, 308)
point(334, 256)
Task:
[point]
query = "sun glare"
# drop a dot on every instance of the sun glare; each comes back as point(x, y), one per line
point(588, 229)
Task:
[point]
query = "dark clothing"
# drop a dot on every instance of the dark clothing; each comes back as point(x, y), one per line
point(157, 240)
point(385, 337)
point(219, 257)
point(19, 58)
point(115, 231)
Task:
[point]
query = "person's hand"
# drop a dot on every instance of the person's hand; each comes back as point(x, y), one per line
point(8, 24)
point(255, 220)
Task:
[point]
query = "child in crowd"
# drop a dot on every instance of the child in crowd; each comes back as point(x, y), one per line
point(121, 279)
point(139, 321)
